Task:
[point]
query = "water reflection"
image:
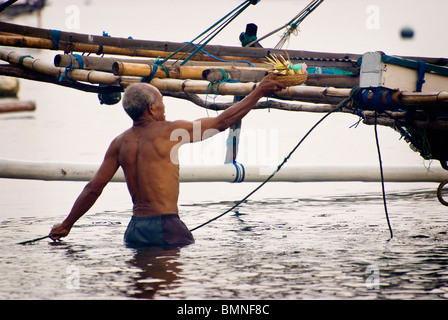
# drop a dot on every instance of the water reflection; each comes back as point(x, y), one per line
point(160, 268)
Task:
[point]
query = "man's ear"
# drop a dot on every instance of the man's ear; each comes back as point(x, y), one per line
point(151, 107)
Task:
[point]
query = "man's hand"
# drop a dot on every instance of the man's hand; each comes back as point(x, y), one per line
point(268, 86)
point(58, 231)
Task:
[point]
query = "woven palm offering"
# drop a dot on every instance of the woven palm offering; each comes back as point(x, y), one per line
point(286, 72)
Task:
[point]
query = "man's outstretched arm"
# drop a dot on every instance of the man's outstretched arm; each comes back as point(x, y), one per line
point(90, 193)
point(231, 115)
point(236, 112)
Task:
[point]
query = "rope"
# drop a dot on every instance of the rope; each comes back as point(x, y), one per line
point(272, 175)
point(419, 138)
point(35, 240)
point(155, 67)
point(7, 4)
point(218, 30)
point(55, 37)
point(369, 99)
point(382, 176)
point(222, 60)
point(359, 101)
point(212, 30)
point(225, 79)
point(420, 75)
point(20, 62)
point(292, 24)
point(240, 172)
point(80, 60)
point(291, 29)
point(338, 108)
point(372, 99)
point(70, 67)
point(245, 39)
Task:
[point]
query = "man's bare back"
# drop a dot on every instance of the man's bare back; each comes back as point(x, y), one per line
point(148, 155)
point(152, 178)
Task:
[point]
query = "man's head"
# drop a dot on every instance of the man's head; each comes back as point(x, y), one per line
point(141, 97)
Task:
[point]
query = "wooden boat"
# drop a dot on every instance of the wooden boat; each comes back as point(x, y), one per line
point(391, 98)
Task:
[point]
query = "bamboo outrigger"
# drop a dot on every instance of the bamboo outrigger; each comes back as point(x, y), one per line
point(54, 171)
point(300, 93)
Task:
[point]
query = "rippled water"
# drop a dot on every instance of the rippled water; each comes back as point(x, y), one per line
point(278, 248)
point(289, 241)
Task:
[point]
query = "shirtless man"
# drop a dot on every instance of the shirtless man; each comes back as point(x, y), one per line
point(147, 153)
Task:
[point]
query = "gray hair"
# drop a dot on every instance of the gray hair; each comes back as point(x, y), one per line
point(136, 99)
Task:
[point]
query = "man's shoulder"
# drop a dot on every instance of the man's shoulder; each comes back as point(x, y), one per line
point(118, 140)
point(177, 124)
point(123, 135)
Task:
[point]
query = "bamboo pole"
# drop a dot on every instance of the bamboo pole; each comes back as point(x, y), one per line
point(302, 93)
point(14, 105)
point(94, 63)
point(39, 43)
point(328, 95)
point(315, 94)
point(32, 170)
point(106, 63)
point(49, 69)
point(182, 72)
point(20, 72)
point(165, 46)
point(391, 119)
point(243, 74)
point(418, 98)
point(144, 70)
point(203, 87)
point(296, 106)
point(66, 46)
point(135, 69)
point(332, 80)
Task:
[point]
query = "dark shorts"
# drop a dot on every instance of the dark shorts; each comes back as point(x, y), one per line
point(157, 231)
